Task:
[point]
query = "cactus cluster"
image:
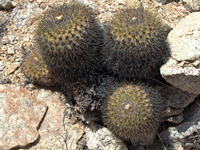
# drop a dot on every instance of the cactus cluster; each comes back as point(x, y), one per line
point(69, 39)
point(135, 44)
point(69, 45)
point(37, 70)
point(132, 111)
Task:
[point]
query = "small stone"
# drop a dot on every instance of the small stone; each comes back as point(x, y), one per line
point(162, 1)
point(12, 67)
point(4, 48)
point(11, 37)
point(3, 18)
point(6, 4)
point(175, 119)
point(2, 65)
point(10, 50)
point(170, 111)
point(5, 40)
point(20, 116)
point(192, 5)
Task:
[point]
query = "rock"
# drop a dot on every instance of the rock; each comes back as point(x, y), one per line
point(2, 65)
point(11, 37)
point(192, 5)
point(100, 138)
point(6, 4)
point(175, 119)
point(20, 116)
point(74, 129)
point(183, 68)
point(186, 134)
point(175, 101)
point(3, 19)
point(5, 40)
point(12, 67)
point(22, 17)
point(170, 111)
point(52, 131)
point(10, 50)
point(162, 1)
point(176, 98)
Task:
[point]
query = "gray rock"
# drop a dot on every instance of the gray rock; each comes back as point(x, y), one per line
point(170, 111)
point(186, 134)
point(175, 119)
point(183, 68)
point(6, 4)
point(161, 1)
point(192, 5)
point(176, 98)
point(100, 138)
point(20, 117)
point(11, 37)
point(2, 65)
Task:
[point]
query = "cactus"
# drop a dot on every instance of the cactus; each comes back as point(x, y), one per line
point(69, 40)
point(36, 69)
point(135, 44)
point(132, 111)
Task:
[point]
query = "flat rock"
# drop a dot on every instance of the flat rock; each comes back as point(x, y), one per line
point(51, 130)
point(183, 68)
point(20, 116)
point(176, 98)
point(175, 101)
point(185, 135)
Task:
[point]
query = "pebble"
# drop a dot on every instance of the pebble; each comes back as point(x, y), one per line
point(2, 65)
point(5, 40)
point(4, 48)
point(10, 50)
point(5, 4)
point(11, 37)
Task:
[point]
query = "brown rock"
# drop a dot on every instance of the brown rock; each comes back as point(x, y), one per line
point(20, 117)
point(52, 132)
point(74, 129)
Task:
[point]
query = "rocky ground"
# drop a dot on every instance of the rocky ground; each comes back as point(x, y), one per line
point(37, 117)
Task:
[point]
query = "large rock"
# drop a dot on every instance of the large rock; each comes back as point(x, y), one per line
point(175, 101)
point(185, 135)
point(20, 117)
point(51, 130)
point(183, 68)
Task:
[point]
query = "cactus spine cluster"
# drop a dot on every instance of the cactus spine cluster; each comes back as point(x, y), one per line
point(69, 38)
point(37, 70)
point(132, 111)
point(135, 44)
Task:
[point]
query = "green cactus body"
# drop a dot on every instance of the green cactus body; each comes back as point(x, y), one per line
point(69, 40)
point(135, 44)
point(132, 111)
point(36, 69)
